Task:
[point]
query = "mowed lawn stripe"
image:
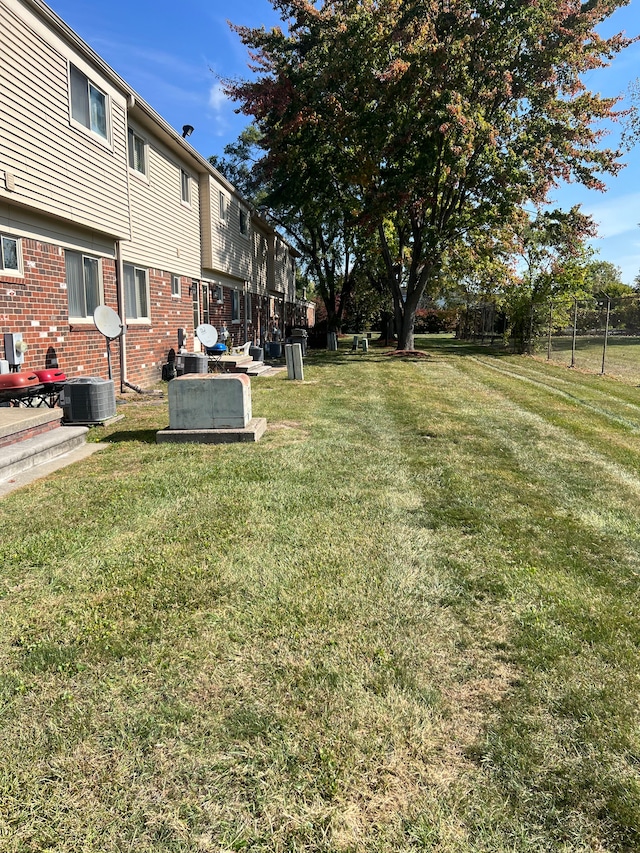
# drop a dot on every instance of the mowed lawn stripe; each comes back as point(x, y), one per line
point(396, 623)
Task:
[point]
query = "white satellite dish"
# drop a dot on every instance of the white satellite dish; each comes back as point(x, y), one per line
point(207, 335)
point(107, 322)
point(110, 325)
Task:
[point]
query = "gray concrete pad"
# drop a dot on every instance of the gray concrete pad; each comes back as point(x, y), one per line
point(252, 432)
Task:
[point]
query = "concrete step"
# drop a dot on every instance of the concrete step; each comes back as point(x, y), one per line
point(232, 362)
point(258, 368)
point(23, 455)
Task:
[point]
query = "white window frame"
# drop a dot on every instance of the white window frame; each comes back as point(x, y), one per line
point(224, 205)
point(85, 122)
point(235, 306)
point(85, 261)
point(176, 287)
point(219, 294)
point(243, 217)
point(133, 137)
point(185, 188)
point(142, 295)
point(4, 270)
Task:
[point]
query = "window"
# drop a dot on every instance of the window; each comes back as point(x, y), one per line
point(175, 285)
point(186, 187)
point(235, 306)
point(195, 292)
point(244, 222)
point(88, 103)
point(224, 207)
point(205, 302)
point(137, 152)
point(136, 293)
point(219, 294)
point(247, 307)
point(10, 255)
point(83, 284)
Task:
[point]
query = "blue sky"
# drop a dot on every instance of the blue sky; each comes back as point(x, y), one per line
point(170, 53)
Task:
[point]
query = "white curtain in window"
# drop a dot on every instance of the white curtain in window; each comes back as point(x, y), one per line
point(98, 111)
point(75, 285)
point(9, 254)
point(141, 293)
point(91, 285)
point(130, 292)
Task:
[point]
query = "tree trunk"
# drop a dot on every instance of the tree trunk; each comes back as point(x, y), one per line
point(406, 326)
point(405, 333)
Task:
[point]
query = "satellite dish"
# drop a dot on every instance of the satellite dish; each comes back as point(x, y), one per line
point(107, 322)
point(207, 335)
point(110, 325)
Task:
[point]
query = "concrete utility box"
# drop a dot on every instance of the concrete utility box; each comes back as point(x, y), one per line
point(207, 401)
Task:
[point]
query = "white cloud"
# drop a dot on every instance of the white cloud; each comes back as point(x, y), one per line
point(217, 97)
point(616, 215)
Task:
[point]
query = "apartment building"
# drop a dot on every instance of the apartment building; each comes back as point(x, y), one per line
point(102, 202)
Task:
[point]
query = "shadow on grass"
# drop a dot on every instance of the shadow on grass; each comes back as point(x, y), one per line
point(453, 346)
point(145, 436)
point(432, 346)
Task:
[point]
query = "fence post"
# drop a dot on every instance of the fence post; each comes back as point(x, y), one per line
point(575, 326)
point(606, 334)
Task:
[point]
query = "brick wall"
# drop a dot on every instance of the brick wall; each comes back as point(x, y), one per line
point(36, 304)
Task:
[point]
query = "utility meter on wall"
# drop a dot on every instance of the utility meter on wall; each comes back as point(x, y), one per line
point(14, 348)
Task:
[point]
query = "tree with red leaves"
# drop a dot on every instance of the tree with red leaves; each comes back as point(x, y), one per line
point(421, 122)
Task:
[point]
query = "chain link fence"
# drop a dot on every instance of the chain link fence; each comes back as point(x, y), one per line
point(600, 334)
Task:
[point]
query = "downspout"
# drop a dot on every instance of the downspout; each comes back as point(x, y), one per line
point(121, 312)
point(120, 290)
point(123, 337)
point(246, 306)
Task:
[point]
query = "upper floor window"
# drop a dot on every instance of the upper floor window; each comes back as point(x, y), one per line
point(224, 207)
point(137, 152)
point(175, 285)
point(83, 284)
point(10, 255)
point(244, 222)
point(186, 187)
point(88, 103)
point(136, 293)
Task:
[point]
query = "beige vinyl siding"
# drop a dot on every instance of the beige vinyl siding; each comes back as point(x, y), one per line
point(260, 260)
point(226, 281)
point(206, 248)
point(27, 223)
point(165, 231)
point(284, 277)
point(224, 248)
point(58, 168)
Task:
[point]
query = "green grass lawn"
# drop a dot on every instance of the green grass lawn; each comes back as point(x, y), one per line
point(622, 360)
point(406, 620)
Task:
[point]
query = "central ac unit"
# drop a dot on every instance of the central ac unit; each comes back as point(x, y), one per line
point(88, 400)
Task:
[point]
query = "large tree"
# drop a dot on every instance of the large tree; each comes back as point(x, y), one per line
point(425, 120)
